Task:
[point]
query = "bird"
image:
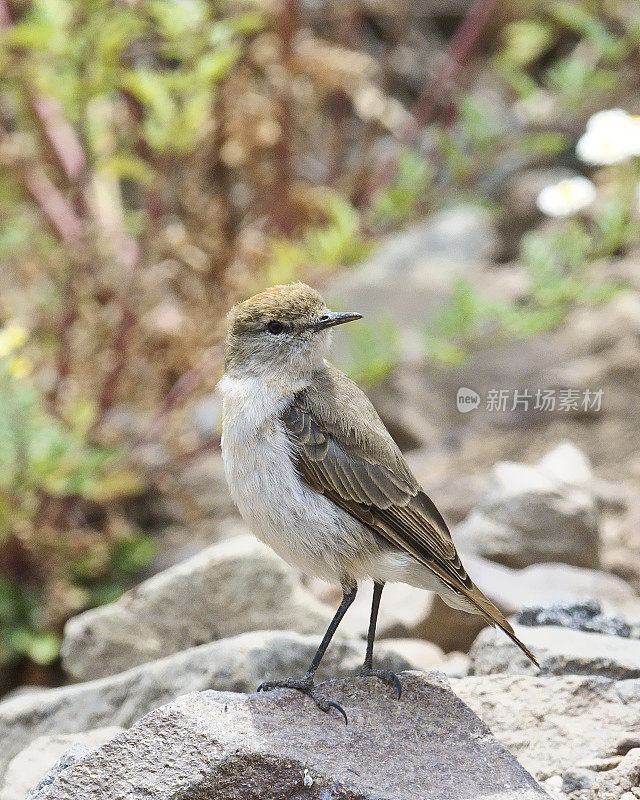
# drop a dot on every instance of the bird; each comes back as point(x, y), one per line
point(318, 478)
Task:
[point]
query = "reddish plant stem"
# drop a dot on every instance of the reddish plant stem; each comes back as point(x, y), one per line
point(5, 15)
point(60, 136)
point(461, 46)
point(60, 214)
point(211, 362)
point(283, 215)
point(437, 91)
point(70, 159)
point(64, 352)
point(110, 383)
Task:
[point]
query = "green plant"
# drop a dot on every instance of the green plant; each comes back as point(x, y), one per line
point(401, 200)
point(373, 350)
point(571, 48)
point(20, 626)
point(50, 477)
point(559, 270)
point(339, 242)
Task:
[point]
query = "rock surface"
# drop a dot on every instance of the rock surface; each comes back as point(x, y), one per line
point(532, 514)
point(238, 664)
point(561, 651)
point(564, 729)
point(229, 588)
point(48, 755)
point(69, 758)
point(235, 747)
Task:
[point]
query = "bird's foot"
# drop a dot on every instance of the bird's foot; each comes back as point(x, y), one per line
point(306, 686)
point(385, 675)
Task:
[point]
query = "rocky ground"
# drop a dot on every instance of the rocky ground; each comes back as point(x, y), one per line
point(211, 628)
point(160, 696)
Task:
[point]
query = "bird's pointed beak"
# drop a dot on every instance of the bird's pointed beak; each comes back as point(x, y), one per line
point(331, 318)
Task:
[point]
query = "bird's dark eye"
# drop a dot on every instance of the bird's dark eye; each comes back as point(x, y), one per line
point(324, 318)
point(274, 326)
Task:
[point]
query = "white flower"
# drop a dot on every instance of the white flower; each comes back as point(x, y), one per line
point(566, 197)
point(611, 136)
point(634, 135)
point(608, 120)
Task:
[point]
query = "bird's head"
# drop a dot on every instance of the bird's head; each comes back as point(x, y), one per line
point(284, 331)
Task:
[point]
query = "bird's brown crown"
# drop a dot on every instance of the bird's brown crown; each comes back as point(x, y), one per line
point(287, 303)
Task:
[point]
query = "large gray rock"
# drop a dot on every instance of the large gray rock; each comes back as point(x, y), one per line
point(234, 747)
point(532, 514)
point(560, 651)
point(229, 588)
point(239, 664)
point(564, 729)
point(49, 755)
point(71, 756)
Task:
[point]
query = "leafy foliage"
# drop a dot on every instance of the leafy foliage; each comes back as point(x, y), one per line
point(373, 350)
point(45, 465)
point(535, 53)
point(558, 266)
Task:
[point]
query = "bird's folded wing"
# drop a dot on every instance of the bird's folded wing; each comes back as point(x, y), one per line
point(366, 475)
point(372, 482)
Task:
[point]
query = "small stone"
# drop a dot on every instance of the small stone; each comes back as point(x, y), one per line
point(531, 514)
point(585, 615)
point(567, 464)
point(576, 780)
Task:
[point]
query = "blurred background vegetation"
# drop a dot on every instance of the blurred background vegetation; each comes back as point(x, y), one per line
point(160, 159)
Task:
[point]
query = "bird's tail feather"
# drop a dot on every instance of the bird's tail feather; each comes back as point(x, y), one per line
point(494, 617)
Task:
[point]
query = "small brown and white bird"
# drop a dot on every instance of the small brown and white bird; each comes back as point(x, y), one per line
point(317, 476)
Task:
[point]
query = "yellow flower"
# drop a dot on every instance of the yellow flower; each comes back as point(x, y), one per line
point(12, 336)
point(20, 367)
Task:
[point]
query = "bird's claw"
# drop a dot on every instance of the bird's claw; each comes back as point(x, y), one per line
point(385, 675)
point(306, 686)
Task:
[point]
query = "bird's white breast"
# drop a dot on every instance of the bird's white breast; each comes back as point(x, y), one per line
point(302, 526)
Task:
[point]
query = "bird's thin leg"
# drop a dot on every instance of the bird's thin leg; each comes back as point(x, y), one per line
point(348, 596)
point(305, 684)
point(385, 675)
